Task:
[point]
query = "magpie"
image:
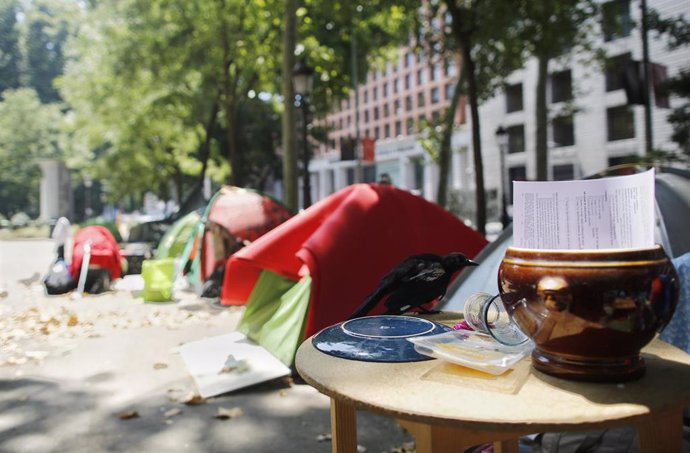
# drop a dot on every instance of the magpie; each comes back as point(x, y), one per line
point(417, 280)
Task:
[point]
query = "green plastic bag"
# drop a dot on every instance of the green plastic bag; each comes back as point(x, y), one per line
point(158, 275)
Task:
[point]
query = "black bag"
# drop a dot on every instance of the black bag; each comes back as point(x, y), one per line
point(59, 280)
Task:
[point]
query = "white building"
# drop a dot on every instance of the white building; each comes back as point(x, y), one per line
point(603, 130)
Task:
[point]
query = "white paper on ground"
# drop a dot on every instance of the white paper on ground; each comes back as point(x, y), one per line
point(609, 213)
point(206, 358)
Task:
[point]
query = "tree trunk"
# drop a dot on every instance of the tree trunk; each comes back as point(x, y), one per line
point(541, 149)
point(205, 150)
point(480, 196)
point(288, 121)
point(236, 174)
point(445, 153)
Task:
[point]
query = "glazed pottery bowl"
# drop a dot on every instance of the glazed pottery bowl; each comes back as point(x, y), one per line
point(589, 312)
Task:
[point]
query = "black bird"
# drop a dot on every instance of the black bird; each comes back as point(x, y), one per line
point(417, 280)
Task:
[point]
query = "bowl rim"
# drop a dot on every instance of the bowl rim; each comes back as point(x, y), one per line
point(608, 251)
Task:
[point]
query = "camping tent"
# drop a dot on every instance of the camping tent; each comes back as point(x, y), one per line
point(316, 268)
point(672, 193)
point(173, 242)
point(233, 217)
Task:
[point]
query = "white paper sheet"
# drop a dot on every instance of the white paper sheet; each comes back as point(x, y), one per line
point(609, 213)
point(205, 360)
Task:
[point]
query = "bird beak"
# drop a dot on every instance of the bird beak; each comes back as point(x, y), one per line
point(471, 263)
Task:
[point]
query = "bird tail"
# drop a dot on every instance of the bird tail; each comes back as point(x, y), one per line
point(368, 304)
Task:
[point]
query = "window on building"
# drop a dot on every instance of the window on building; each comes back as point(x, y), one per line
point(349, 121)
point(374, 93)
point(420, 99)
point(564, 172)
point(409, 126)
point(350, 175)
point(435, 95)
point(386, 111)
point(377, 133)
point(420, 56)
point(408, 81)
point(331, 181)
point(561, 86)
point(418, 165)
point(408, 103)
point(420, 77)
point(514, 98)
point(369, 173)
point(620, 123)
point(450, 67)
point(615, 21)
point(384, 89)
point(396, 107)
point(517, 173)
point(398, 128)
point(435, 116)
point(620, 160)
point(436, 72)
point(366, 132)
point(409, 59)
point(396, 85)
point(366, 116)
point(563, 131)
point(421, 119)
point(386, 131)
point(449, 91)
point(376, 113)
point(340, 123)
point(615, 70)
point(516, 139)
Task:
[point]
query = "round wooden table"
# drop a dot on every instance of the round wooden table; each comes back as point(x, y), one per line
point(445, 415)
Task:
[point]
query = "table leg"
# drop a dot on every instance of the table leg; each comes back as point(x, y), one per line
point(343, 427)
point(441, 439)
point(661, 432)
point(506, 446)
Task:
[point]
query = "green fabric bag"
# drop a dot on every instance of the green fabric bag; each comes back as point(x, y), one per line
point(275, 313)
point(159, 276)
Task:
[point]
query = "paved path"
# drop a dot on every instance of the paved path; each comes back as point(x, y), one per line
point(69, 367)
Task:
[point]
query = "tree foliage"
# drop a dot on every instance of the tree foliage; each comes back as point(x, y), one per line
point(481, 31)
point(29, 130)
point(159, 87)
point(9, 45)
point(677, 31)
point(550, 30)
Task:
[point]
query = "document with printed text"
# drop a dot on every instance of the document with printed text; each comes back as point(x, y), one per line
point(609, 213)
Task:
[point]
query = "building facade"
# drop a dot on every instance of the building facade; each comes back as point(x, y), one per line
point(592, 123)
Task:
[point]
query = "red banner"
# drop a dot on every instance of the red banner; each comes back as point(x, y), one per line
point(368, 149)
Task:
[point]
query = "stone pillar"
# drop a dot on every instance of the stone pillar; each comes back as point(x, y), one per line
point(56, 190)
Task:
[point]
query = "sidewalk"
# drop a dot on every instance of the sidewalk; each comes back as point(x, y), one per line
point(69, 369)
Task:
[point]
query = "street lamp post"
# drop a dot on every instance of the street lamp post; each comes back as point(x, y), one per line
point(502, 141)
point(303, 78)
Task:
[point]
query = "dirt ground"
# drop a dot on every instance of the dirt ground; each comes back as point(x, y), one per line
point(103, 373)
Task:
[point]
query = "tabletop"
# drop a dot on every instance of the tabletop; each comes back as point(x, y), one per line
point(525, 400)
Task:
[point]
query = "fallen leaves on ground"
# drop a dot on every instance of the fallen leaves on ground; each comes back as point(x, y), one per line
point(160, 365)
point(46, 323)
point(225, 414)
point(172, 412)
point(128, 415)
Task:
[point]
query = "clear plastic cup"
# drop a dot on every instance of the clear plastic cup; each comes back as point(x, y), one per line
point(486, 313)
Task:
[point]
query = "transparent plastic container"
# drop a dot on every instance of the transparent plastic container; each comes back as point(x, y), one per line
point(472, 349)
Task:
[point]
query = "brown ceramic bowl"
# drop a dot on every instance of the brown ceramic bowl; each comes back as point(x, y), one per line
point(589, 312)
